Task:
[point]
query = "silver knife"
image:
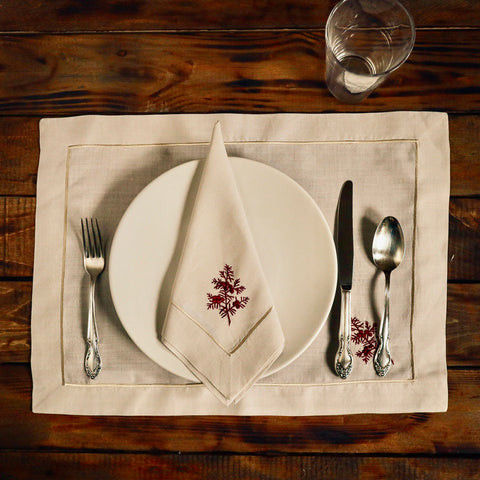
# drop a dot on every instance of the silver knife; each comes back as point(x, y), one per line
point(344, 241)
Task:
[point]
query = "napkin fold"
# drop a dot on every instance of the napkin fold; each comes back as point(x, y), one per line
point(221, 321)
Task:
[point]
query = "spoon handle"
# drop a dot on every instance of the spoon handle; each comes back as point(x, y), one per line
point(382, 360)
point(344, 358)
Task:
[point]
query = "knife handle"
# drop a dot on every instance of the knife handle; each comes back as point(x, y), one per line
point(344, 358)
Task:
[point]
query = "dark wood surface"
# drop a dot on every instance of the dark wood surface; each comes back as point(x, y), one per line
point(70, 57)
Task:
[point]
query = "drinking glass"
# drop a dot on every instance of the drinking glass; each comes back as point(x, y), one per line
point(366, 40)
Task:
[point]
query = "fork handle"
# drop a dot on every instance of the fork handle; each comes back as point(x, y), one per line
point(93, 362)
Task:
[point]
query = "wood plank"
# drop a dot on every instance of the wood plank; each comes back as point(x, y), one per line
point(454, 432)
point(464, 133)
point(464, 254)
point(17, 224)
point(277, 71)
point(19, 151)
point(74, 15)
point(70, 466)
point(463, 315)
point(15, 309)
point(463, 318)
point(17, 236)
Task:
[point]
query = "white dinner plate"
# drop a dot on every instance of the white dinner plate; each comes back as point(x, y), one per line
point(293, 240)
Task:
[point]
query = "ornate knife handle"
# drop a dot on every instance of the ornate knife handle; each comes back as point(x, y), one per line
point(344, 358)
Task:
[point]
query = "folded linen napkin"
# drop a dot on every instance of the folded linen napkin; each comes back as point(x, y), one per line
point(221, 321)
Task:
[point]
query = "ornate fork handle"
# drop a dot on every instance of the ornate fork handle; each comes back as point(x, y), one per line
point(93, 362)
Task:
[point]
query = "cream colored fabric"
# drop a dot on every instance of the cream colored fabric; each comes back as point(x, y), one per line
point(226, 329)
point(95, 166)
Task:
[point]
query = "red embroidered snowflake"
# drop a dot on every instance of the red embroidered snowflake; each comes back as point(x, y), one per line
point(365, 335)
point(227, 300)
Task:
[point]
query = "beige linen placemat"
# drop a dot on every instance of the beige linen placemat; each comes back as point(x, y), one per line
point(95, 166)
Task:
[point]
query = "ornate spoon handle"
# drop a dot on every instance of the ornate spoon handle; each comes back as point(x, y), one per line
point(382, 360)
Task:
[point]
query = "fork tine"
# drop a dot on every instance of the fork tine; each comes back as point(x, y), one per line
point(90, 247)
point(97, 240)
point(93, 242)
point(84, 237)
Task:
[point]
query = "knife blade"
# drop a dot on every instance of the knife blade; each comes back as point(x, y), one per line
point(344, 242)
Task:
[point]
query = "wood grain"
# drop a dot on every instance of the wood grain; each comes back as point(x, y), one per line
point(463, 320)
point(17, 224)
point(19, 152)
point(17, 236)
point(15, 309)
point(273, 71)
point(464, 253)
point(464, 133)
point(134, 15)
point(106, 466)
point(463, 316)
point(456, 431)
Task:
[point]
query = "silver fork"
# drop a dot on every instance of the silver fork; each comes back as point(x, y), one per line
point(94, 263)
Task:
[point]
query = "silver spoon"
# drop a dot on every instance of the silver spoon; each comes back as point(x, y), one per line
point(388, 250)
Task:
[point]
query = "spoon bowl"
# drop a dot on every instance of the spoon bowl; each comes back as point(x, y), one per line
point(388, 250)
point(388, 247)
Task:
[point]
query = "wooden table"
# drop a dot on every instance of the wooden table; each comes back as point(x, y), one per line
point(70, 57)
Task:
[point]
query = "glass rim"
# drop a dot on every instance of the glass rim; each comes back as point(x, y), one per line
point(408, 50)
